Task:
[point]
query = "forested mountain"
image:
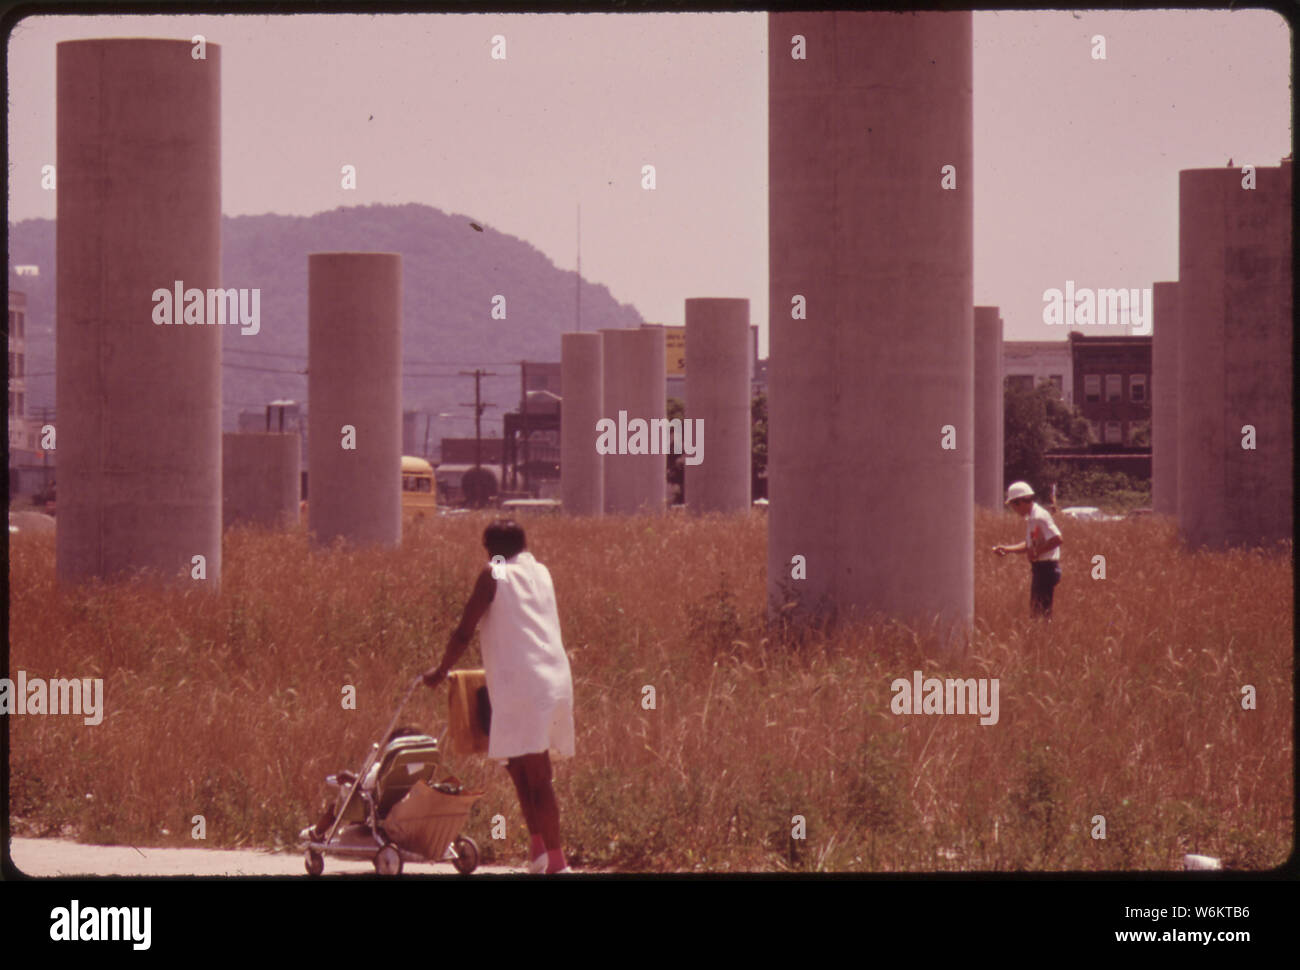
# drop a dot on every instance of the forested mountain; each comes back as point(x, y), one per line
point(450, 272)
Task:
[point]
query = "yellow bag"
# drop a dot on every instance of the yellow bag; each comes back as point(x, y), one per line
point(465, 719)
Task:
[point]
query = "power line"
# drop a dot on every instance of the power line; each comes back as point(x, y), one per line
point(263, 370)
point(263, 353)
point(413, 362)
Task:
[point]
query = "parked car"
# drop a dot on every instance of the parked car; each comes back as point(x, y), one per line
point(30, 522)
point(1090, 513)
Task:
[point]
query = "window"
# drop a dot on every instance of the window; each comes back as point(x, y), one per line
point(1137, 388)
point(1092, 388)
point(1020, 382)
point(1114, 433)
point(1114, 387)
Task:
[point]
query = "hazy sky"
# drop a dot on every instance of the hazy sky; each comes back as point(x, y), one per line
point(1076, 159)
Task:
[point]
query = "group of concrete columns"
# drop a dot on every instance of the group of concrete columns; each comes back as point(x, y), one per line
point(141, 453)
point(620, 376)
point(885, 383)
point(1222, 422)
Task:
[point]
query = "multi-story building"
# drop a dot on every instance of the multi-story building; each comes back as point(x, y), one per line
point(1027, 363)
point(1112, 382)
point(18, 431)
point(31, 469)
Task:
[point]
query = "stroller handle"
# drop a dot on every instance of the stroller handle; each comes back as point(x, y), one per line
point(370, 758)
point(419, 679)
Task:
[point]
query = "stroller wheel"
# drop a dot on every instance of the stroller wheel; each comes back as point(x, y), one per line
point(388, 861)
point(466, 860)
point(315, 863)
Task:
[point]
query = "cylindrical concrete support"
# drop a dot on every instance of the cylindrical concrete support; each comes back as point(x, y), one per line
point(139, 372)
point(260, 479)
point(635, 391)
point(582, 468)
point(354, 396)
point(718, 385)
point(1164, 399)
point(871, 378)
point(1234, 357)
point(988, 407)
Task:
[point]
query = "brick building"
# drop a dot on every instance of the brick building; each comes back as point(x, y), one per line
point(1112, 387)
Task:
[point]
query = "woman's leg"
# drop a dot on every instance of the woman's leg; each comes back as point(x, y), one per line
point(517, 769)
point(546, 808)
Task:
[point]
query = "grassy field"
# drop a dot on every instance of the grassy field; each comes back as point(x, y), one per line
point(1127, 706)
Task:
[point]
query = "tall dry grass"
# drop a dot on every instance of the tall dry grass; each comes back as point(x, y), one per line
point(1127, 706)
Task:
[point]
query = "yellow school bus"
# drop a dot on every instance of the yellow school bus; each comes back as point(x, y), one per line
point(419, 496)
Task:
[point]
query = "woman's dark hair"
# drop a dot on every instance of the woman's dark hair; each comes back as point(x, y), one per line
point(504, 538)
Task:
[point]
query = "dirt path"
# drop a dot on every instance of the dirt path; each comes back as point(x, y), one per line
point(60, 857)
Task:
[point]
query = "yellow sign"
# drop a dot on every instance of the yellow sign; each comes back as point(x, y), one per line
point(675, 350)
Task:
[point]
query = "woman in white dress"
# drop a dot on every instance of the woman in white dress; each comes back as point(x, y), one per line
point(529, 683)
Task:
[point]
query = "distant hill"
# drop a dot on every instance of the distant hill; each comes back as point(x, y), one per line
point(450, 273)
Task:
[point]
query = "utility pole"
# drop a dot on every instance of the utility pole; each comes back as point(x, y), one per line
point(479, 406)
point(578, 287)
point(523, 411)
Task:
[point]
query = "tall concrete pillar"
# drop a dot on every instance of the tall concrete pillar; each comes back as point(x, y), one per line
point(870, 235)
point(718, 353)
point(139, 396)
point(582, 468)
point(988, 407)
point(1234, 357)
point(636, 382)
point(354, 381)
point(260, 479)
point(1164, 399)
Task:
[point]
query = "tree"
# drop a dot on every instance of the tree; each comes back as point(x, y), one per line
point(676, 463)
point(758, 446)
point(1033, 422)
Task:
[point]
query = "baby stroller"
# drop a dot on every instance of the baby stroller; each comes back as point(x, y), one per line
point(391, 813)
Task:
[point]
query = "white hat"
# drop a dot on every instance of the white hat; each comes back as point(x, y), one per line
point(1019, 490)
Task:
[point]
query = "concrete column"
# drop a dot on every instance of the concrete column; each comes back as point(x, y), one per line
point(718, 352)
point(636, 383)
point(1164, 399)
point(582, 468)
point(354, 366)
point(988, 407)
point(872, 316)
point(1234, 357)
point(260, 479)
point(139, 396)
